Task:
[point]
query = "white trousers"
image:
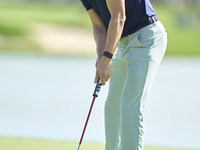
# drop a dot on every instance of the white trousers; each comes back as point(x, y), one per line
point(134, 67)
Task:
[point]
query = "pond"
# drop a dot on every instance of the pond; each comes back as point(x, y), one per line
point(49, 97)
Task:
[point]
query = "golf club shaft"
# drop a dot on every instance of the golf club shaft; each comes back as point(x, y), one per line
point(86, 121)
point(95, 94)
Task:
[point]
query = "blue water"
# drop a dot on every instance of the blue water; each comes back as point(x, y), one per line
point(49, 97)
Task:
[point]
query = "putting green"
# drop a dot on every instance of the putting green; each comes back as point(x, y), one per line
point(33, 144)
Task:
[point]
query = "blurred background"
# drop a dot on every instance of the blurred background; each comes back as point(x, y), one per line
point(47, 57)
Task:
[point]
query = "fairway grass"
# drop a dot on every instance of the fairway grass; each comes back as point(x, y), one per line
point(17, 18)
point(33, 144)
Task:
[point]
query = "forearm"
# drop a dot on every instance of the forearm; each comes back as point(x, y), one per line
point(104, 69)
point(114, 33)
point(100, 36)
point(108, 40)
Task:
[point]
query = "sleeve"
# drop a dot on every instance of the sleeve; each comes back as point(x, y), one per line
point(86, 5)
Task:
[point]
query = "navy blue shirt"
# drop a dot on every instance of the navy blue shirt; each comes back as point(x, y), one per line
point(137, 13)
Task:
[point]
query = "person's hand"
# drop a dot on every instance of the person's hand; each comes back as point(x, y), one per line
point(98, 61)
point(104, 70)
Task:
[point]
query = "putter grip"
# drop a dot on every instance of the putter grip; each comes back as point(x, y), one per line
point(97, 88)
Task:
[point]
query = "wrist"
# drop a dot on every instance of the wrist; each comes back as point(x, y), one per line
point(106, 59)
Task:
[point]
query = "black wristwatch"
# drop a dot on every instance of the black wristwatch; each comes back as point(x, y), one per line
point(108, 54)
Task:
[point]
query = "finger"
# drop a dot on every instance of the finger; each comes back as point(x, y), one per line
point(102, 78)
point(107, 78)
point(96, 77)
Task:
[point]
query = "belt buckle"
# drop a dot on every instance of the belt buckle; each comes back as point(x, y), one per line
point(152, 19)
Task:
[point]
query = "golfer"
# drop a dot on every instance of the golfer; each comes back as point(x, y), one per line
point(131, 27)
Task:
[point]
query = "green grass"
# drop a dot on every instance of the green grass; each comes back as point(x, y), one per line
point(33, 144)
point(17, 17)
point(182, 40)
point(182, 23)
point(19, 44)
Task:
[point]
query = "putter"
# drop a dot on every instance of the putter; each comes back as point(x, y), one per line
point(95, 94)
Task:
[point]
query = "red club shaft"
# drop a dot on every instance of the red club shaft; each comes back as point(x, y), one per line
point(87, 120)
point(95, 94)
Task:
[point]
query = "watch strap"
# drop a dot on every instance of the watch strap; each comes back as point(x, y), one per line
point(108, 54)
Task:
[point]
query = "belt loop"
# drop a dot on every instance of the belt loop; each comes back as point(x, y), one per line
point(153, 19)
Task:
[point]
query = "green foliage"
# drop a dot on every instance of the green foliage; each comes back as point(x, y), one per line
point(16, 18)
point(182, 22)
point(183, 28)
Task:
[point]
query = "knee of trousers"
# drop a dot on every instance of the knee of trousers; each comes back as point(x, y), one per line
point(133, 106)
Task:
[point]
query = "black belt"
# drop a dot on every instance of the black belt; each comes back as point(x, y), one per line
point(153, 19)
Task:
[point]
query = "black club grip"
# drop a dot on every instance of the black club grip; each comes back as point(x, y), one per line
point(97, 88)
